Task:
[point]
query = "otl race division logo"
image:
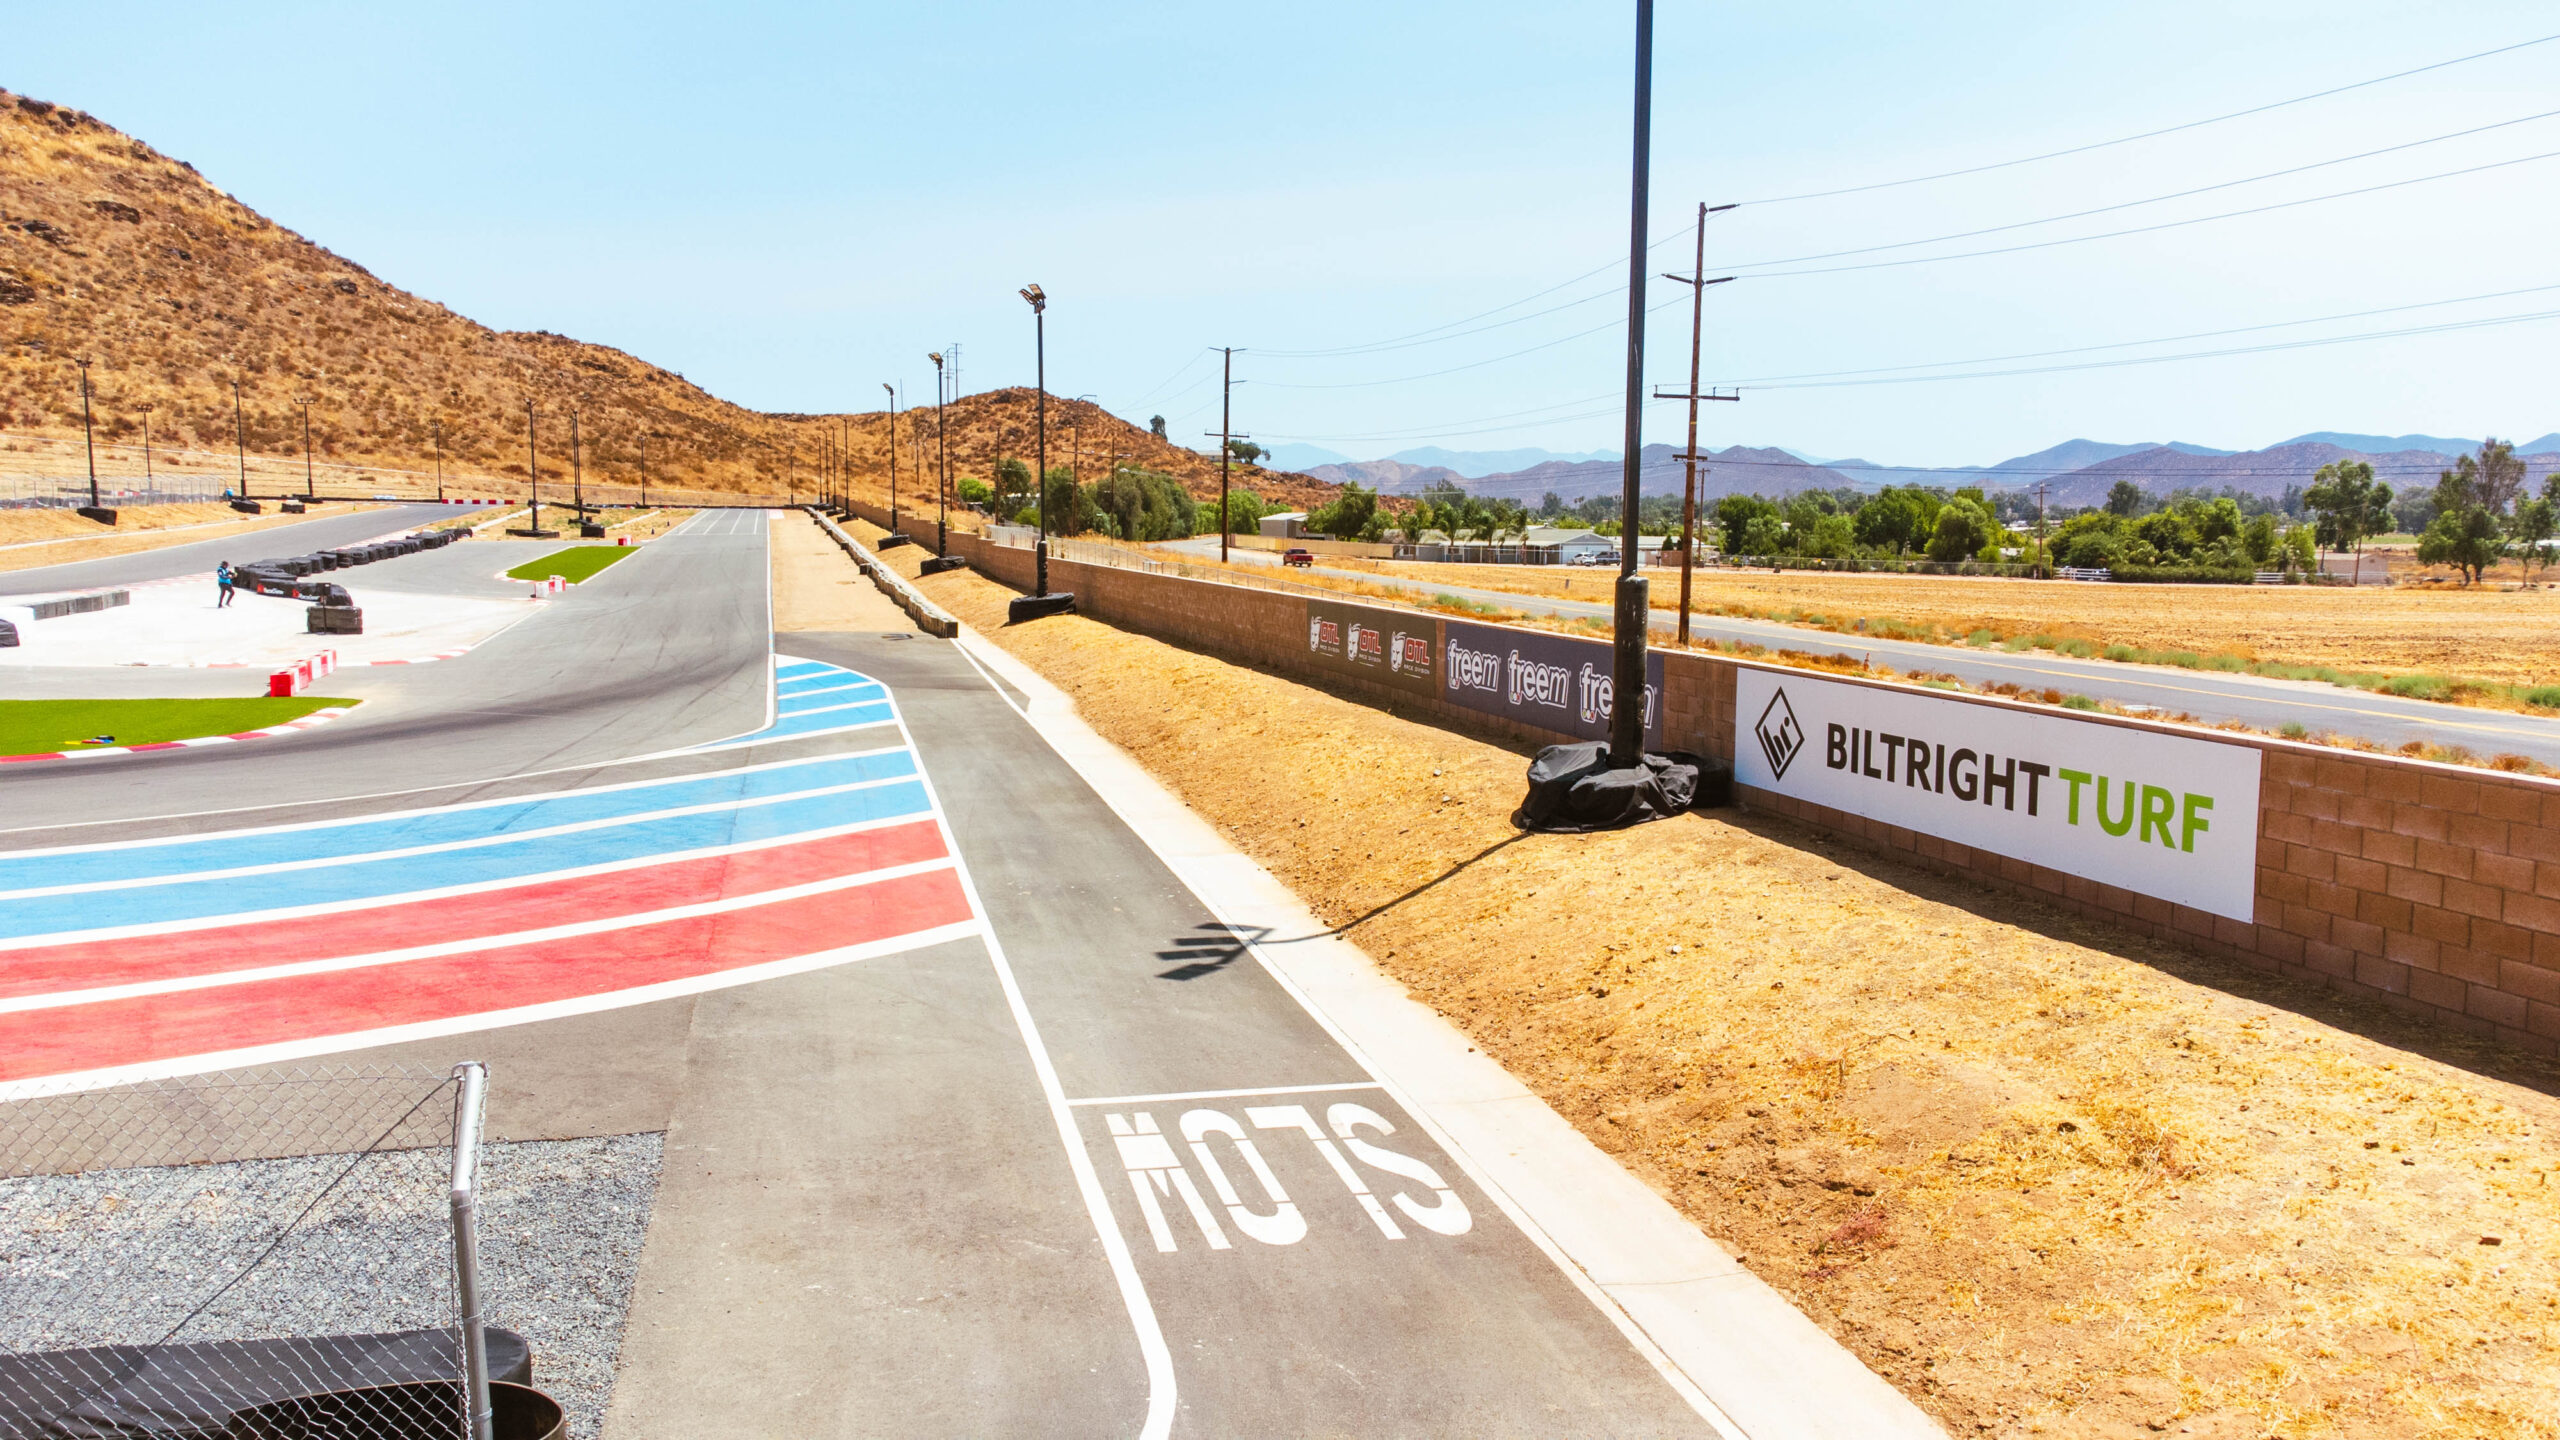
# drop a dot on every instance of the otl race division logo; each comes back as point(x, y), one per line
point(1780, 736)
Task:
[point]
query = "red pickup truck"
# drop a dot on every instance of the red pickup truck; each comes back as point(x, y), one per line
point(1296, 556)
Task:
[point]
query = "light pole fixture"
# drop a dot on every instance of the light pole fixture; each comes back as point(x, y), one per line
point(310, 484)
point(893, 455)
point(1040, 602)
point(941, 464)
point(88, 438)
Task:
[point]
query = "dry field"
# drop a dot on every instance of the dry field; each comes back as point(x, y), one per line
point(2483, 633)
point(2046, 1179)
point(57, 537)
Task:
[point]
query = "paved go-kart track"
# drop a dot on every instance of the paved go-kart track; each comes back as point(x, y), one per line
point(982, 1119)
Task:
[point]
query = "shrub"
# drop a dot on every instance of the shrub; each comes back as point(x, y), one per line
point(2547, 696)
point(2078, 702)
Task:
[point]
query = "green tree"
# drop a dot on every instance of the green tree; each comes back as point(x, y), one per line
point(1013, 478)
point(2533, 524)
point(1762, 534)
point(1348, 513)
point(1734, 515)
point(1155, 427)
point(1246, 450)
point(1964, 527)
point(1897, 517)
point(2466, 539)
point(2350, 504)
point(2124, 498)
point(2259, 539)
point(1243, 514)
point(974, 492)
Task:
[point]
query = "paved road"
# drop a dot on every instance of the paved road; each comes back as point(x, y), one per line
point(978, 1120)
point(198, 557)
point(2252, 700)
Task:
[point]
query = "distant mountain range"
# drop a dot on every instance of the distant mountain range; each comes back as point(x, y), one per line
point(1310, 458)
point(2076, 472)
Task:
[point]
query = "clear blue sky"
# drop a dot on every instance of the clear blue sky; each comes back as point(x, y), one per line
point(791, 204)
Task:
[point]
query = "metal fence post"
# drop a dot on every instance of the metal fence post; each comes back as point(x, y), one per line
point(468, 1103)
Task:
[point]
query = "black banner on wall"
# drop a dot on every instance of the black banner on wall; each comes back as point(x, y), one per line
point(1556, 682)
point(1395, 647)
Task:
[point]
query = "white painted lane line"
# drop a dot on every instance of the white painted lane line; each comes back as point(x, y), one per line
point(22, 943)
point(489, 1020)
point(461, 807)
point(1180, 1096)
point(217, 979)
point(1158, 1424)
point(441, 847)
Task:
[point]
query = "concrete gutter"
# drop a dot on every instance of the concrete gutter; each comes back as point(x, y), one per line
point(932, 619)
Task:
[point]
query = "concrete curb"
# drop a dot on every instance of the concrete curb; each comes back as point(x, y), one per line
point(932, 619)
point(321, 716)
point(1752, 1362)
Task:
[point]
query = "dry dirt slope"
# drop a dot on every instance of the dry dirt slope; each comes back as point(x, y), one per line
point(110, 249)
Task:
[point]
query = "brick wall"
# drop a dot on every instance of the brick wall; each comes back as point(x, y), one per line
point(2436, 887)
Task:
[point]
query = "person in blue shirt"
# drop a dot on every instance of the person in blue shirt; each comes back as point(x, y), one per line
point(222, 581)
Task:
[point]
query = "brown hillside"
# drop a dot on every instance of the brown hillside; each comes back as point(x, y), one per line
point(112, 251)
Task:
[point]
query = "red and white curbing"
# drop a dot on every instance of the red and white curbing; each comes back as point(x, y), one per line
point(321, 716)
point(425, 659)
point(296, 678)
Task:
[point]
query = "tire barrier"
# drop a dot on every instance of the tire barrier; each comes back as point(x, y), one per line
point(79, 604)
point(287, 578)
point(932, 619)
point(248, 507)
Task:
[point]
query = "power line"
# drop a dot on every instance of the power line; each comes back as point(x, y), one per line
point(2149, 229)
point(1772, 381)
point(1472, 364)
point(2150, 134)
point(2152, 200)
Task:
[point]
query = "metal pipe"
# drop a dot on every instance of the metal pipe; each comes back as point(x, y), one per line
point(1634, 610)
point(88, 439)
point(473, 1075)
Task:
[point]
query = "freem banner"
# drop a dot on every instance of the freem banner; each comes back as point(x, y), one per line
point(1553, 681)
point(2159, 815)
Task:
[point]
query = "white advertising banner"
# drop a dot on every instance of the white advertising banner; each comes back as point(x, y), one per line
point(2160, 815)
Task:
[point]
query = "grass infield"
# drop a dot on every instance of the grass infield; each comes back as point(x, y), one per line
point(577, 563)
point(39, 727)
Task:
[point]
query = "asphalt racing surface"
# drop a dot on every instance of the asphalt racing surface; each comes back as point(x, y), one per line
point(979, 1121)
point(2211, 696)
point(197, 557)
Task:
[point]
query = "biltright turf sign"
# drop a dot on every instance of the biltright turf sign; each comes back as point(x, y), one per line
point(2160, 815)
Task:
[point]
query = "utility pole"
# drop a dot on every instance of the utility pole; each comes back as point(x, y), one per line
point(1634, 610)
point(941, 464)
point(310, 485)
point(893, 455)
point(147, 484)
point(437, 426)
point(1038, 299)
point(1227, 438)
point(240, 436)
point(2041, 487)
point(1697, 282)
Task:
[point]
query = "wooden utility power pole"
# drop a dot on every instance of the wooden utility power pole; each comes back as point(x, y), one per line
point(1227, 438)
point(1697, 282)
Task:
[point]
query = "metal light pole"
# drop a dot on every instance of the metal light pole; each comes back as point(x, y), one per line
point(893, 455)
point(310, 485)
point(88, 438)
point(1039, 302)
point(147, 484)
point(644, 469)
point(577, 476)
point(240, 437)
point(437, 426)
point(941, 464)
point(1634, 607)
point(532, 476)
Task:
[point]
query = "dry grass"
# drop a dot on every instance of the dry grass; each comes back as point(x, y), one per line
point(2044, 1178)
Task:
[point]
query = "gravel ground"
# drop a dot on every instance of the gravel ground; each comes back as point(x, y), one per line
point(120, 1256)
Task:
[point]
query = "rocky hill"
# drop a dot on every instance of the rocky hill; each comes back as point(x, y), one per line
point(2259, 472)
point(1739, 470)
point(113, 252)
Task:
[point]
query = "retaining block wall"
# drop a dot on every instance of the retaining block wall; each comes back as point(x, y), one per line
point(2436, 887)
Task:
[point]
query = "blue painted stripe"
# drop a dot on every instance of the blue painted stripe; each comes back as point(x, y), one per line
point(840, 695)
point(815, 723)
point(804, 667)
point(402, 831)
point(383, 879)
point(836, 681)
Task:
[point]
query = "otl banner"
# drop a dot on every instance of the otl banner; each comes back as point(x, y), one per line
point(2159, 815)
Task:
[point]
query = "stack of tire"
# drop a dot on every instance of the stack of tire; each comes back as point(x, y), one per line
point(291, 578)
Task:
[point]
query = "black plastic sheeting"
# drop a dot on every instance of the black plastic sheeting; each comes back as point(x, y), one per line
point(1033, 607)
point(1573, 790)
point(192, 1390)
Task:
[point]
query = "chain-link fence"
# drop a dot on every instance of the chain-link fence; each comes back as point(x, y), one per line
point(275, 1252)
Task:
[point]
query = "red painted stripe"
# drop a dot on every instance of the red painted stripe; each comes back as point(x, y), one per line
point(195, 1022)
point(487, 914)
point(160, 745)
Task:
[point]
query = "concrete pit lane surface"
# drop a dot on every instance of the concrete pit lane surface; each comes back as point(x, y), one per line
point(978, 1118)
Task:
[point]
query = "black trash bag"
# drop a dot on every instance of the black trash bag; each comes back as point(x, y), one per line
point(1572, 789)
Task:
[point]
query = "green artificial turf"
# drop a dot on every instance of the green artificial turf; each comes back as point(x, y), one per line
point(37, 727)
point(578, 562)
